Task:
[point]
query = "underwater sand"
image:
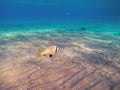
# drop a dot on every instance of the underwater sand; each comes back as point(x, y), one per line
point(87, 60)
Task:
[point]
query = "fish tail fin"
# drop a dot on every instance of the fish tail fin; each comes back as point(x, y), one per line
point(39, 53)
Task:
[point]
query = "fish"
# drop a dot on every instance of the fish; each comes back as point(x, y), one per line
point(51, 50)
point(39, 53)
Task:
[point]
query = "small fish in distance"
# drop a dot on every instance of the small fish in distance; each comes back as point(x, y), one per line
point(51, 50)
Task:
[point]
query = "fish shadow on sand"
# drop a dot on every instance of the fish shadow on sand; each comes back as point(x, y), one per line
point(32, 62)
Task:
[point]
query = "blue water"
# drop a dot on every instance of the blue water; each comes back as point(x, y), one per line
point(52, 11)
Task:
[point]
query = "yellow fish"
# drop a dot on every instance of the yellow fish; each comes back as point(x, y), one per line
point(49, 50)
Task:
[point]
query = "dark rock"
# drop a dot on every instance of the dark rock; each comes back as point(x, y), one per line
point(83, 29)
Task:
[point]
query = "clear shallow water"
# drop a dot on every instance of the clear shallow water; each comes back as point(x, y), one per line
point(91, 55)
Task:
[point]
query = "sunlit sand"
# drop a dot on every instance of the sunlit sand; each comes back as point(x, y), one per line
point(85, 61)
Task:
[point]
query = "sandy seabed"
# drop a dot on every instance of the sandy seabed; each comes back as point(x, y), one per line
point(85, 61)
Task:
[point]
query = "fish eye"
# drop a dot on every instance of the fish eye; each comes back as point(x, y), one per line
point(51, 55)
